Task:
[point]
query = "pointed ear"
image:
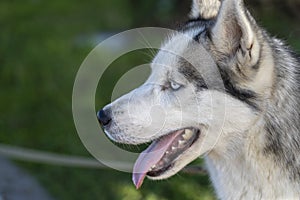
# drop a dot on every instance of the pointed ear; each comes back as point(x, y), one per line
point(205, 9)
point(234, 35)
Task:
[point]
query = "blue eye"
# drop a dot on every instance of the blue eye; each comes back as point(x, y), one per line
point(175, 86)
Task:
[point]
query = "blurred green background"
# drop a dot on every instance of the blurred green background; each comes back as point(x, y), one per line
point(42, 45)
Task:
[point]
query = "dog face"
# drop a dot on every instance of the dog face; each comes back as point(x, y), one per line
point(205, 91)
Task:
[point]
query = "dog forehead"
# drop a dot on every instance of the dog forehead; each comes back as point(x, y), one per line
point(188, 57)
point(173, 50)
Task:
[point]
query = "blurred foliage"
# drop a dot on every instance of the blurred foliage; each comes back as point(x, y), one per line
point(39, 58)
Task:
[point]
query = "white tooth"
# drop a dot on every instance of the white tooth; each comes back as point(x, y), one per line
point(173, 148)
point(167, 152)
point(187, 134)
point(180, 142)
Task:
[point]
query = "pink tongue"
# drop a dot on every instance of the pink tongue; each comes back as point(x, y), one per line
point(150, 157)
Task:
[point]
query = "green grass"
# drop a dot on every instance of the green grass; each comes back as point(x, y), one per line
point(39, 58)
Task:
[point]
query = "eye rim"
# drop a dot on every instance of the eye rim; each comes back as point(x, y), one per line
point(175, 86)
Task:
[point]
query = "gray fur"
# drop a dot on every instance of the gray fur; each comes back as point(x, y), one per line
point(281, 112)
point(283, 116)
point(257, 156)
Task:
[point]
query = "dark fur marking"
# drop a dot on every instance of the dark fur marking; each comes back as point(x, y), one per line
point(244, 95)
point(197, 20)
point(195, 24)
point(192, 74)
point(197, 37)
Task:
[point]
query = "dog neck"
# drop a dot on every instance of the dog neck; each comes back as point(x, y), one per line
point(246, 172)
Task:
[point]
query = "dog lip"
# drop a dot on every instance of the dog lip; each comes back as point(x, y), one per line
point(160, 171)
point(160, 156)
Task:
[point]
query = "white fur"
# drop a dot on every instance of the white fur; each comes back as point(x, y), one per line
point(207, 9)
point(232, 134)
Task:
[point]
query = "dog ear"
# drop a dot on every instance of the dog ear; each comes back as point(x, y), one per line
point(234, 35)
point(205, 9)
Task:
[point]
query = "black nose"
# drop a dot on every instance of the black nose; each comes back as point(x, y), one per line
point(103, 117)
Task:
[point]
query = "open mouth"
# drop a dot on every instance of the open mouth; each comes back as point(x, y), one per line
point(161, 155)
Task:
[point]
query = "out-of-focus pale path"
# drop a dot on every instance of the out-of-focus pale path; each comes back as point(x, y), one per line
point(16, 184)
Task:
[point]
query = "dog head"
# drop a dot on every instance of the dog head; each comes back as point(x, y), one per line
point(205, 91)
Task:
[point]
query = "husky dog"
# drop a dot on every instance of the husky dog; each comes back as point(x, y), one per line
point(255, 154)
